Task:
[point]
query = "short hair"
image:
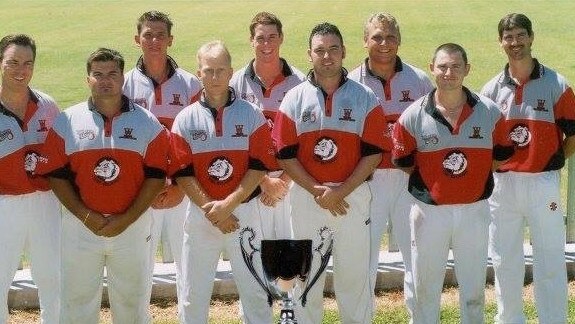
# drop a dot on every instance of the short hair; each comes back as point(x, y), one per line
point(514, 20)
point(325, 28)
point(382, 18)
point(265, 18)
point(450, 48)
point(216, 46)
point(155, 15)
point(105, 55)
point(17, 39)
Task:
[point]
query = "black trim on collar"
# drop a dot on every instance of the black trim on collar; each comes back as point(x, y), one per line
point(429, 106)
point(398, 68)
point(7, 112)
point(311, 78)
point(231, 99)
point(127, 105)
point(538, 71)
point(172, 66)
point(251, 72)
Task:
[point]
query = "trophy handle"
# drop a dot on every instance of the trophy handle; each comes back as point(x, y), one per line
point(324, 234)
point(249, 259)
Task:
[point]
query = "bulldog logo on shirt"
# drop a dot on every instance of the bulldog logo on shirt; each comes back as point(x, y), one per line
point(31, 160)
point(520, 135)
point(220, 169)
point(325, 149)
point(107, 170)
point(455, 163)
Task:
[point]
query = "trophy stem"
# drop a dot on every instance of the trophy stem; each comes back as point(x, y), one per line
point(287, 312)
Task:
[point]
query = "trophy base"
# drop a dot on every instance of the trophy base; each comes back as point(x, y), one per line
point(287, 317)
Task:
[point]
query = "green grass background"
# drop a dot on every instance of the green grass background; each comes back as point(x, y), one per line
point(68, 31)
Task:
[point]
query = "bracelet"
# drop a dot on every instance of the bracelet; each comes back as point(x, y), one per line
point(86, 218)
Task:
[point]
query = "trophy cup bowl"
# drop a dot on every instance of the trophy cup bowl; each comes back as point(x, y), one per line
point(284, 263)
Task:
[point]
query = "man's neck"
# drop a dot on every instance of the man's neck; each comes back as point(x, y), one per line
point(383, 70)
point(267, 72)
point(329, 85)
point(520, 70)
point(109, 106)
point(450, 99)
point(15, 99)
point(217, 100)
point(156, 68)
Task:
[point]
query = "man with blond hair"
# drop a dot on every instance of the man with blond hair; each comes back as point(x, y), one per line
point(222, 149)
point(397, 85)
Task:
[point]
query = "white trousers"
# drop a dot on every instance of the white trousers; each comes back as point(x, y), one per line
point(34, 218)
point(203, 244)
point(127, 261)
point(173, 220)
point(391, 203)
point(276, 221)
point(350, 255)
point(433, 228)
point(535, 198)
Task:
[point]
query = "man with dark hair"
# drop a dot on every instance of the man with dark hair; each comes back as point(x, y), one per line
point(29, 211)
point(446, 141)
point(328, 139)
point(396, 84)
point(106, 160)
point(163, 88)
point(264, 82)
point(539, 109)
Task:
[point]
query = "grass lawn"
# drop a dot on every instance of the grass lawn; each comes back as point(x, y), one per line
point(390, 309)
point(67, 31)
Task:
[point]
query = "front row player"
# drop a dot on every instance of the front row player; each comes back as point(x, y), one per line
point(106, 160)
point(221, 151)
point(460, 133)
point(329, 140)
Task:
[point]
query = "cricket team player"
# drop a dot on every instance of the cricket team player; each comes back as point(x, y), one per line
point(397, 85)
point(264, 81)
point(539, 110)
point(222, 149)
point(446, 142)
point(106, 160)
point(159, 85)
point(329, 138)
point(29, 211)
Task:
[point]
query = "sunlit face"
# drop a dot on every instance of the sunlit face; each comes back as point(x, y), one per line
point(449, 70)
point(266, 43)
point(215, 72)
point(17, 66)
point(326, 55)
point(516, 43)
point(382, 43)
point(105, 80)
point(154, 38)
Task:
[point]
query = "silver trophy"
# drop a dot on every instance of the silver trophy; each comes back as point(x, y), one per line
point(286, 263)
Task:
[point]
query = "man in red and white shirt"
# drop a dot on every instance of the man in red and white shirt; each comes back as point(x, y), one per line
point(106, 160)
point(448, 141)
point(159, 85)
point(29, 211)
point(222, 149)
point(264, 82)
point(396, 84)
point(539, 110)
point(329, 138)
